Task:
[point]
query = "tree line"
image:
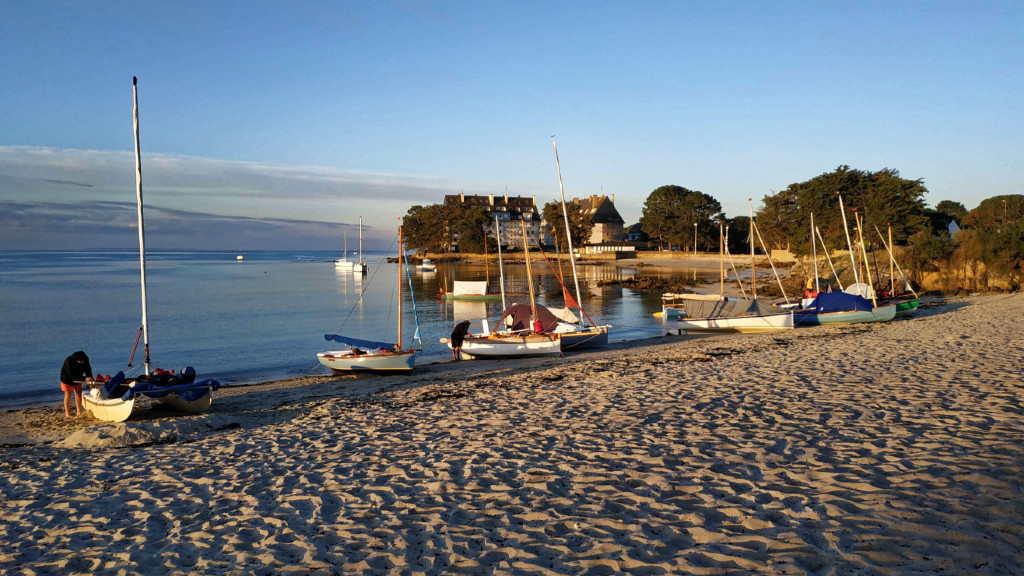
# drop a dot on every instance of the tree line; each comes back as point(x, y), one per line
point(675, 217)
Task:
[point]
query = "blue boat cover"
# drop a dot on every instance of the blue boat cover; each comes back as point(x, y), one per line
point(839, 302)
point(160, 385)
point(358, 343)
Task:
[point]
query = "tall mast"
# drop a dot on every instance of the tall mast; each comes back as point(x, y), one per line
point(501, 269)
point(814, 253)
point(753, 265)
point(401, 257)
point(864, 254)
point(568, 233)
point(529, 275)
point(721, 262)
point(142, 236)
point(849, 245)
point(892, 277)
point(361, 241)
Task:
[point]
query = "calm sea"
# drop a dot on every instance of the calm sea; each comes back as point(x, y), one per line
point(247, 321)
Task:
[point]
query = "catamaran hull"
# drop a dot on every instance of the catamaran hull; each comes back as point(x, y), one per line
point(197, 406)
point(344, 362)
point(511, 347)
point(108, 409)
point(744, 324)
point(593, 337)
point(879, 314)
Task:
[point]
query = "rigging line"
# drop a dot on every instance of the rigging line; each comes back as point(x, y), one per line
point(564, 289)
point(366, 284)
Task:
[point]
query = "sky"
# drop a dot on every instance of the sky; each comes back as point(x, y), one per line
point(277, 125)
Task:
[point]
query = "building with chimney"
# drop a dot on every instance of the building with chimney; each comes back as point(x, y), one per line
point(608, 224)
point(509, 211)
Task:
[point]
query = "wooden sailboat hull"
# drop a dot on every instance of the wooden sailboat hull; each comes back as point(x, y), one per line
point(743, 324)
point(107, 409)
point(518, 346)
point(344, 361)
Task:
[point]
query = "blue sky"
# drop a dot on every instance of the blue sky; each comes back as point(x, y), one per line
point(268, 124)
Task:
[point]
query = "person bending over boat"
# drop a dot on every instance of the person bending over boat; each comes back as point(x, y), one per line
point(458, 335)
point(76, 368)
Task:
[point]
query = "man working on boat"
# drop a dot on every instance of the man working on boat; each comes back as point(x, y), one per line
point(76, 368)
point(458, 335)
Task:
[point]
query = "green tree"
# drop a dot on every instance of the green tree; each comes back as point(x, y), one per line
point(580, 224)
point(427, 228)
point(996, 211)
point(879, 198)
point(468, 224)
point(670, 212)
point(954, 210)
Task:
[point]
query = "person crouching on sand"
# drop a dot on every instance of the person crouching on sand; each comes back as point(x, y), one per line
point(458, 335)
point(76, 368)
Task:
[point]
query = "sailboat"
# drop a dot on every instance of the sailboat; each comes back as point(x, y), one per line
point(114, 400)
point(360, 267)
point(701, 313)
point(373, 356)
point(584, 336)
point(844, 307)
point(344, 263)
point(525, 333)
point(905, 303)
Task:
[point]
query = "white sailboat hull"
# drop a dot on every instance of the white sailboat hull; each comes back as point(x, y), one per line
point(345, 361)
point(518, 346)
point(107, 409)
point(744, 324)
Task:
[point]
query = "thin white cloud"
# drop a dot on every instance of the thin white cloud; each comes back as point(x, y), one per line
point(314, 203)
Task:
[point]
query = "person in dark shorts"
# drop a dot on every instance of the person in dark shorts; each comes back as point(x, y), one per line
point(76, 368)
point(458, 336)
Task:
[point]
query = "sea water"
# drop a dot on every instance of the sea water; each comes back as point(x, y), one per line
point(251, 320)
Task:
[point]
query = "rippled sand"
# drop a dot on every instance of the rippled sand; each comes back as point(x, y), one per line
point(895, 448)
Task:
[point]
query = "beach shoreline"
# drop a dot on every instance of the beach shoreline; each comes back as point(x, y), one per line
point(891, 448)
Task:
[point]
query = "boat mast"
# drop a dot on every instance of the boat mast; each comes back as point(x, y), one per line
point(721, 262)
point(753, 266)
point(142, 236)
point(529, 275)
point(501, 269)
point(849, 245)
point(814, 253)
point(401, 256)
point(892, 278)
point(867, 269)
point(568, 233)
point(824, 249)
point(892, 256)
point(361, 242)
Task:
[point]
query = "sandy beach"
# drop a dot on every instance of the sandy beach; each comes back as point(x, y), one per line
point(894, 448)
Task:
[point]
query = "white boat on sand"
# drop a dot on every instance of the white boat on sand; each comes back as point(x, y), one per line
point(114, 400)
point(372, 356)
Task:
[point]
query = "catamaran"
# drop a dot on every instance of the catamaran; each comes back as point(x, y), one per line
point(114, 400)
